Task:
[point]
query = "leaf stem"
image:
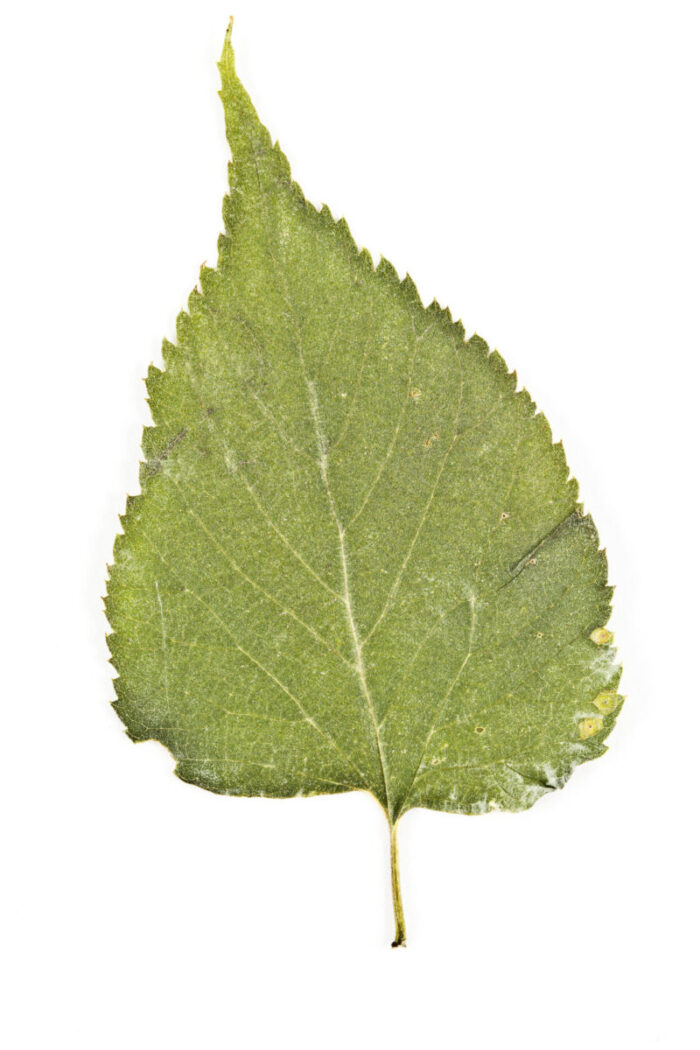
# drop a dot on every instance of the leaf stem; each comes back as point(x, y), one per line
point(400, 936)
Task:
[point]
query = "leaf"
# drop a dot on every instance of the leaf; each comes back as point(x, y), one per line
point(357, 561)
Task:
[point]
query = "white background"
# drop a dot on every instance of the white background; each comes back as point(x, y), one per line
point(536, 167)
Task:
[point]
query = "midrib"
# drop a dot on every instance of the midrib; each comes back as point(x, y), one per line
point(323, 465)
point(359, 664)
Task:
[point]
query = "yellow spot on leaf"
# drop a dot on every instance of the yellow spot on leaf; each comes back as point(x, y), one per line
point(589, 727)
point(601, 636)
point(607, 702)
point(479, 729)
point(415, 394)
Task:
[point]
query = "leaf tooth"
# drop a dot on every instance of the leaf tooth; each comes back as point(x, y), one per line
point(223, 248)
point(443, 315)
point(366, 260)
point(435, 310)
point(524, 400)
point(295, 191)
point(131, 512)
point(479, 346)
point(601, 551)
point(387, 271)
point(229, 213)
point(559, 457)
point(149, 442)
point(135, 730)
point(343, 231)
point(183, 328)
point(586, 522)
point(209, 280)
point(343, 228)
point(132, 504)
point(499, 366)
point(408, 287)
point(572, 486)
point(168, 351)
point(285, 172)
point(339, 226)
point(543, 426)
point(194, 301)
point(154, 377)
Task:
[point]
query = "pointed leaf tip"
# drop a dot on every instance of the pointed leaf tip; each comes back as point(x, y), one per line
point(227, 51)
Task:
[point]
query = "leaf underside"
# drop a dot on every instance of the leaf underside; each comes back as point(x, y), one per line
point(357, 561)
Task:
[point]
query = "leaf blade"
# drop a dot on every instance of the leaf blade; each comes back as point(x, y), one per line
point(357, 561)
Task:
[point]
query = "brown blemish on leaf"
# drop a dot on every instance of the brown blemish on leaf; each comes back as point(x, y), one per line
point(479, 729)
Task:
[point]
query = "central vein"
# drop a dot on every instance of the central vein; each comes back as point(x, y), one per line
point(347, 598)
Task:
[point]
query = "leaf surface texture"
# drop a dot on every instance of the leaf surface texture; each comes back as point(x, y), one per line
point(357, 561)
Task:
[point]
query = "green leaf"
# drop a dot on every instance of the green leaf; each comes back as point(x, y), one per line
point(357, 561)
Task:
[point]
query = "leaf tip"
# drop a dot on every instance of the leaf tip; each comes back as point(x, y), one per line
point(227, 50)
